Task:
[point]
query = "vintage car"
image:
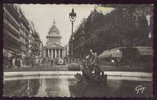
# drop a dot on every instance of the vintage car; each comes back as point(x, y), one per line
point(60, 61)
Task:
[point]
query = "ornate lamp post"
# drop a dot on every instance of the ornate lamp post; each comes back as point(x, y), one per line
point(72, 17)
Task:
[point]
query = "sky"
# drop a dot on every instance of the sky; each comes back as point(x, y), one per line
point(42, 15)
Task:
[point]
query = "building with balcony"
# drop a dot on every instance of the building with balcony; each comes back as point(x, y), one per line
point(11, 33)
point(34, 46)
point(18, 35)
point(24, 33)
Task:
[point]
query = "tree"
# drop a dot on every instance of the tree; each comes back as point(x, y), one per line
point(126, 25)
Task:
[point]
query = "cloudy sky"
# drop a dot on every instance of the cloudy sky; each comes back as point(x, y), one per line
point(42, 15)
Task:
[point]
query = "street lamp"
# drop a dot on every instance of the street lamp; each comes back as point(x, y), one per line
point(72, 17)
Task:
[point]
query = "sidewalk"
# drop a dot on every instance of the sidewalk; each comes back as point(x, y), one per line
point(112, 75)
point(66, 68)
point(126, 68)
point(38, 68)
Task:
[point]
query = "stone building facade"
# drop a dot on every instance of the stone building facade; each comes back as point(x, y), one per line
point(53, 48)
point(18, 37)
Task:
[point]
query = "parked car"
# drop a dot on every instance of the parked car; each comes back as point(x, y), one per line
point(60, 61)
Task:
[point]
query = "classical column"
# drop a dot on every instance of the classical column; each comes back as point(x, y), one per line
point(55, 53)
point(52, 53)
point(59, 53)
point(49, 53)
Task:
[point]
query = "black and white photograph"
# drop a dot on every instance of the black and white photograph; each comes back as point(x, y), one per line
point(77, 50)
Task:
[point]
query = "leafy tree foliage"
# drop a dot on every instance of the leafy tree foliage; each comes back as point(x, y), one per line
point(126, 25)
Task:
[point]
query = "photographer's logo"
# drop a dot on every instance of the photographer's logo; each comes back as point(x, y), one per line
point(140, 89)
